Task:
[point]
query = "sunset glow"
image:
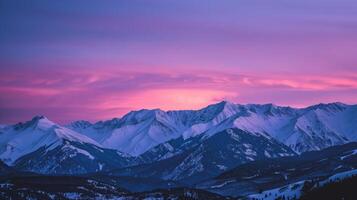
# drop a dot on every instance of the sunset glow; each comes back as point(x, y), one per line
point(97, 62)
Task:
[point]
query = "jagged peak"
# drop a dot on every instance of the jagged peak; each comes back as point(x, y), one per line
point(39, 117)
point(38, 121)
point(220, 106)
point(265, 105)
point(333, 104)
point(143, 114)
point(270, 109)
point(328, 106)
point(42, 121)
point(224, 103)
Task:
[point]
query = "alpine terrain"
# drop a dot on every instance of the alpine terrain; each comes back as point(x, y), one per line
point(222, 151)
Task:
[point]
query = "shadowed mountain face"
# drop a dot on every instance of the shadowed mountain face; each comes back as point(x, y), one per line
point(265, 174)
point(74, 158)
point(5, 169)
point(295, 176)
point(206, 157)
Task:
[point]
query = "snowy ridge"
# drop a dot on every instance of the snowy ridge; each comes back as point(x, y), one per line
point(199, 158)
point(312, 128)
point(24, 138)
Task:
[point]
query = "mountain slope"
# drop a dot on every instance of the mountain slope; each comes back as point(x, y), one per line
point(155, 135)
point(5, 169)
point(24, 138)
point(312, 128)
point(207, 157)
point(259, 175)
point(135, 133)
point(73, 158)
point(42, 146)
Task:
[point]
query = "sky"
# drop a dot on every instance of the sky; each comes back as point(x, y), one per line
point(95, 60)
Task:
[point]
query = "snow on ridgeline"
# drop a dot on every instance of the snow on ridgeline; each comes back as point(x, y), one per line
point(24, 138)
point(311, 128)
point(305, 129)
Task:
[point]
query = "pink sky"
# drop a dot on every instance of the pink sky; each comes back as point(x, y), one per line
point(104, 94)
point(97, 62)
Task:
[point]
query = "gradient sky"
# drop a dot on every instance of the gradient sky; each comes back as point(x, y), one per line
point(92, 60)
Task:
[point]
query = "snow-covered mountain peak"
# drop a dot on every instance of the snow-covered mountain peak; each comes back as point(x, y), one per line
point(38, 117)
point(135, 117)
point(225, 103)
point(332, 107)
point(269, 109)
point(211, 119)
point(230, 108)
point(222, 105)
point(220, 110)
point(136, 131)
point(44, 123)
point(40, 132)
point(304, 129)
point(37, 122)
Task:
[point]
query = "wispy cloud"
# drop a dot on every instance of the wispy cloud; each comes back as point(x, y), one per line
point(93, 61)
point(111, 93)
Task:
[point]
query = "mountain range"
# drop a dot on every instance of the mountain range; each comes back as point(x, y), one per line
point(311, 175)
point(311, 128)
point(187, 148)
